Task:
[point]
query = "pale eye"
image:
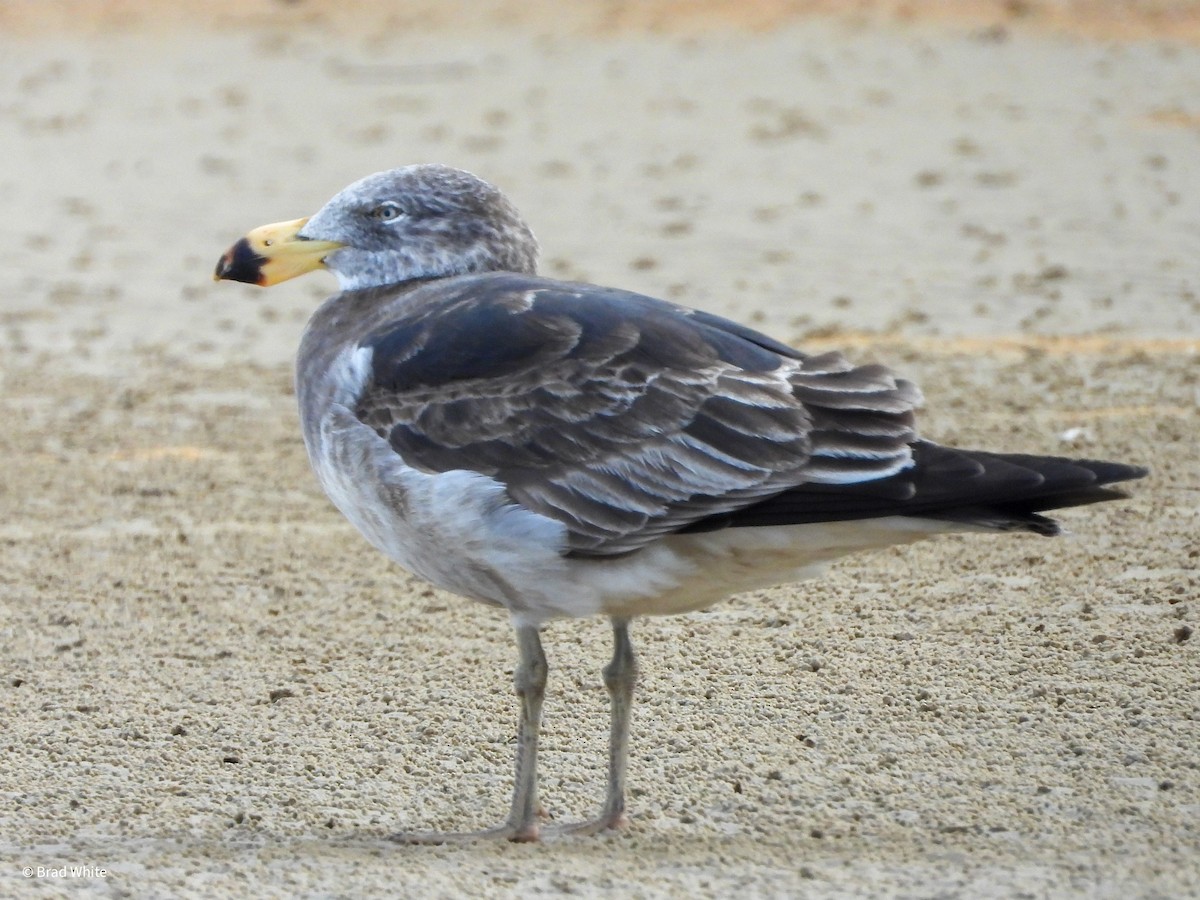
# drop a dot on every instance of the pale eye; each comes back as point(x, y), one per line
point(386, 212)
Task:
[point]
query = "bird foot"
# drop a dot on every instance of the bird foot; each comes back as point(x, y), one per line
point(519, 834)
point(507, 832)
point(604, 822)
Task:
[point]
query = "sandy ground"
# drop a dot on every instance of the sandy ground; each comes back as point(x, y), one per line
point(212, 687)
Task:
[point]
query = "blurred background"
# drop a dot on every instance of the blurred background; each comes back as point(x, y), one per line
point(877, 167)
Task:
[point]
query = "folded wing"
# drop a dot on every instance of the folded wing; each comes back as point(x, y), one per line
point(622, 416)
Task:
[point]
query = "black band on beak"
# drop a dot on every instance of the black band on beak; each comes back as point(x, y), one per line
point(240, 263)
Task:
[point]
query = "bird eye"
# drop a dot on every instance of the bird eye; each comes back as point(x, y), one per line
point(386, 212)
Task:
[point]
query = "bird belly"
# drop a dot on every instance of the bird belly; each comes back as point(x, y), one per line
point(458, 530)
point(711, 566)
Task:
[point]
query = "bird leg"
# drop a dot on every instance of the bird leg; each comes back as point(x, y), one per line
point(620, 676)
point(530, 682)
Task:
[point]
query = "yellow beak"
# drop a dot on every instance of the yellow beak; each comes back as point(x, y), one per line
point(272, 253)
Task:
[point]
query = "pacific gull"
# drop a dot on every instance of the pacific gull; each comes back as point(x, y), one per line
point(564, 449)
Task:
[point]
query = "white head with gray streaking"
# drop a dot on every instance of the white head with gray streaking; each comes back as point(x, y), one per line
point(415, 222)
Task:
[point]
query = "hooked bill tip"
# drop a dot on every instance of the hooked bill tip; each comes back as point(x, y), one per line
point(240, 263)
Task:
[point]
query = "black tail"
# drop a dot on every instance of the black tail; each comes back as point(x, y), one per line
point(1005, 491)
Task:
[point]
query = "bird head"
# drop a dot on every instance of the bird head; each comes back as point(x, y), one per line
point(416, 222)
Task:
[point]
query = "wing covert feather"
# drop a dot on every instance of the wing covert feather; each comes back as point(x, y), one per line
point(622, 416)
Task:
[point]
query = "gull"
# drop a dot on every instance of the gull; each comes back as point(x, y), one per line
point(561, 449)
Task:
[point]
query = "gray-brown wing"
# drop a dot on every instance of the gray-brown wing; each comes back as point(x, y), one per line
point(622, 416)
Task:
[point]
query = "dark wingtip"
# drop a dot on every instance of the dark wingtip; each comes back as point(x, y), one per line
point(1042, 525)
point(240, 263)
point(1110, 472)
